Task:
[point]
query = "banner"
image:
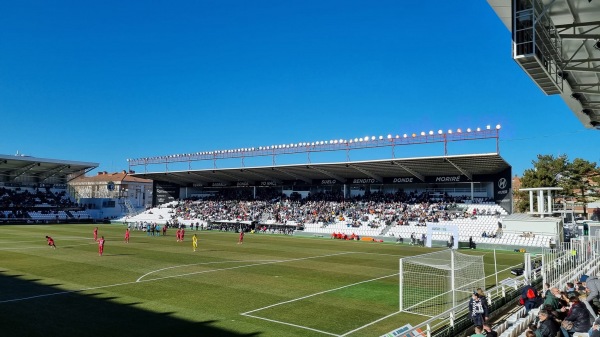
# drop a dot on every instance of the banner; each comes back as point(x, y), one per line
point(405, 331)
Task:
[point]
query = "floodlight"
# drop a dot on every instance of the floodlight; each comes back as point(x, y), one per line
point(350, 141)
point(342, 141)
point(478, 129)
point(440, 132)
point(389, 136)
point(431, 132)
point(373, 137)
point(360, 139)
point(355, 140)
point(458, 130)
point(422, 133)
point(414, 135)
point(487, 127)
point(498, 127)
point(468, 129)
point(450, 131)
point(405, 135)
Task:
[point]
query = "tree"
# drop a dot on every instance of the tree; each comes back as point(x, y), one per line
point(576, 178)
point(579, 176)
point(547, 171)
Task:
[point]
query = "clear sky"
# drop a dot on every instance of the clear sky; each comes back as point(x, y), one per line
point(109, 80)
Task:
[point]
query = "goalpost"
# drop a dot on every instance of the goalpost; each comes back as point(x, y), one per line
point(433, 283)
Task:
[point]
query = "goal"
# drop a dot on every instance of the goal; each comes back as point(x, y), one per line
point(433, 283)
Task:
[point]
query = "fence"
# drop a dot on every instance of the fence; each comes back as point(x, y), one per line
point(564, 264)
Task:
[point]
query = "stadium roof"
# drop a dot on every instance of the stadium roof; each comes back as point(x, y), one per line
point(565, 59)
point(464, 165)
point(41, 169)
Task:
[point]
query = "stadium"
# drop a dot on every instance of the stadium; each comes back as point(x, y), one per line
point(289, 244)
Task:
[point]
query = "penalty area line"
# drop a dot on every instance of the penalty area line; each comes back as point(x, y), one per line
point(294, 325)
point(244, 266)
point(319, 293)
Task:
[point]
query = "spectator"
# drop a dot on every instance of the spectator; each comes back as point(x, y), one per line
point(478, 331)
point(592, 284)
point(488, 331)
point(578, 315)
point(478, 310)
point(529, 298)
point(547, 326)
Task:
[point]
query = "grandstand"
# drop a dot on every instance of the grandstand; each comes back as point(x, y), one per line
point(36, 190)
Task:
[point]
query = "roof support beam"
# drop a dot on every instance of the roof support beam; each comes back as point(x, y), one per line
point(53, 172)
point(577, 24)
point(583, 69)
point(207, 179)
point(293, 175)
point(414, 173)
point(372, 175)
point(579, 36)
point(469, 175)
point(590, 92)
point(23, 170)
point(327, 173)
point(86, 171)
point(262, 176)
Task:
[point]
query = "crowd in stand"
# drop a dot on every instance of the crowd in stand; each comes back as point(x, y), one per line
point(16, 203)
point(561, 312)
point(377, 209)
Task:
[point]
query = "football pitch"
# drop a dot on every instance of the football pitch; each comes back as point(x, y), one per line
point(271, 285)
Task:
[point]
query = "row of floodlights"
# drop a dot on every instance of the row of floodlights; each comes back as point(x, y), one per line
point(318, 143)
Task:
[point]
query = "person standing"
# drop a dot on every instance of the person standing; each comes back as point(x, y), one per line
point(50, 242)
point(182, 234)
point(194, 242)
point(95, 234)
point(241, 239)
point(101, 246)
point(127, 235)
point(477, 310)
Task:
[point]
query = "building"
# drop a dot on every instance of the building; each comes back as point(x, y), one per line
point(111, 195)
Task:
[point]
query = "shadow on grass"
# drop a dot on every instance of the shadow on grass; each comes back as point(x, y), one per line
point(76, 314)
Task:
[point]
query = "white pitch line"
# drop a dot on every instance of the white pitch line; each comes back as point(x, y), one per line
point(199, 264)
point(290, 324)
point(369, 324)
point(121, 284)
point(244, 266)
point(319, 293)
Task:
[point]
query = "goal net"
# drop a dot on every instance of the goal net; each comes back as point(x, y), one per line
point(433, 283)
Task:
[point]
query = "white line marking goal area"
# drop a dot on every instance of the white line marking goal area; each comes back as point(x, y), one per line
point(252, 314)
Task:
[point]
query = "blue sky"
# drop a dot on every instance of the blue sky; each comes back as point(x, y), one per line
point(106, 81)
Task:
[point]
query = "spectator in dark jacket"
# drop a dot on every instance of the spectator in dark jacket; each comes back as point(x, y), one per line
point(548, 326)
point(478, 310)
point(579, 315)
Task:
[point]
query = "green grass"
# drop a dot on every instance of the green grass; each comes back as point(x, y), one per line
point(71, 291)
